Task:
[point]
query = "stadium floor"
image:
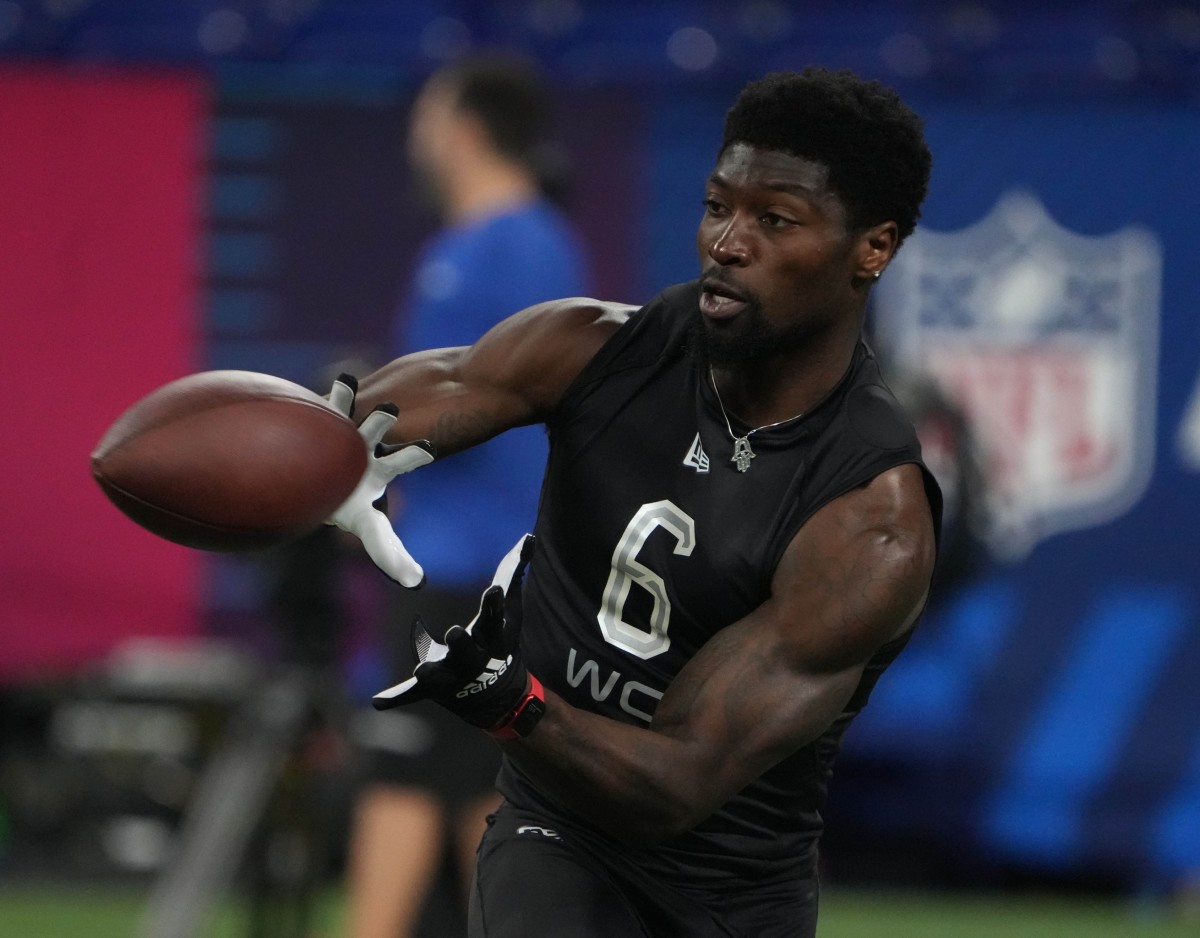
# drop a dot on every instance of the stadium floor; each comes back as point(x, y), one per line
point(90, 913)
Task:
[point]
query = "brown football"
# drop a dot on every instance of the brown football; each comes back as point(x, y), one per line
point(230, 461)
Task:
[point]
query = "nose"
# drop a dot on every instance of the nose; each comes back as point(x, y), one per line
point(728, 246)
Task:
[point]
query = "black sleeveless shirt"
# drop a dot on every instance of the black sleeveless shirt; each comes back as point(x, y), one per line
point(650, 541)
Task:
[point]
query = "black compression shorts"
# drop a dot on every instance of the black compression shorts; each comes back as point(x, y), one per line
point(535, 878)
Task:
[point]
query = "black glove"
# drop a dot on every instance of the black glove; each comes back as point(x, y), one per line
point(477, 672)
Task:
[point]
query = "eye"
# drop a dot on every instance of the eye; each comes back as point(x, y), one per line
point(712, 206)
point(775, 220)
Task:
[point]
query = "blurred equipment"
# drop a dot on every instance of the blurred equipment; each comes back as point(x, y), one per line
point(225, 814)
point(185, 766)
point(230, 461)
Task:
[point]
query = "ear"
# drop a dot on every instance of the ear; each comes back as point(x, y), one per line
point(876, 246)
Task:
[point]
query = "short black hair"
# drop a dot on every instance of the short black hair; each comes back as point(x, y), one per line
point(872, 143)
point(509, 96)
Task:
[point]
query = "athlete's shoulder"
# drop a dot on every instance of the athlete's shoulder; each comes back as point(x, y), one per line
point(555, 344)
point(577, 320)
point(665, 320)
point(656, 330)
point(679, 296)
point(544, 348)
point(873, 411)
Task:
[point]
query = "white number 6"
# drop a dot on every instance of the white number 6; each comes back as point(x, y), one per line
point(628, 571)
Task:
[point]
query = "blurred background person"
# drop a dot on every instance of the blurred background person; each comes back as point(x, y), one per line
point(478, 143)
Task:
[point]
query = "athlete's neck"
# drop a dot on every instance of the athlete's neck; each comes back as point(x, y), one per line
point(784, 386)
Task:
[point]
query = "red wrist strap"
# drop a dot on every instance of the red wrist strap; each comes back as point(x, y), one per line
point(525, 715)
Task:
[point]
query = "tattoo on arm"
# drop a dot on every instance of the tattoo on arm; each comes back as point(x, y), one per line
point(458, 429)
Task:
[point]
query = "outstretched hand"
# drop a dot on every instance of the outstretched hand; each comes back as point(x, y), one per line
point(477, 672)
point(362, 513)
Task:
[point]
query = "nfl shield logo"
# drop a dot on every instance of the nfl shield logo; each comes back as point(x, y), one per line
point(1048, 341)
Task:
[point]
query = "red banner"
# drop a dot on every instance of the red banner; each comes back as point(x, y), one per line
point(100, 200)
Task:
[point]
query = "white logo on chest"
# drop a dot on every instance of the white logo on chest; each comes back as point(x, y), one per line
point(696, 458)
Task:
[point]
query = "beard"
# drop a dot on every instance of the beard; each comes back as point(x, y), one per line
point(744, 340)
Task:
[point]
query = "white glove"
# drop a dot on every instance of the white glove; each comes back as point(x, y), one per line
point(361, 513)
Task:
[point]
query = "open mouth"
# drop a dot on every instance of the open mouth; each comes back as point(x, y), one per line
point(720, 301)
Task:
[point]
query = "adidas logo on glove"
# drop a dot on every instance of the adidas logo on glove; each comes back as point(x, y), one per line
point(487, 677)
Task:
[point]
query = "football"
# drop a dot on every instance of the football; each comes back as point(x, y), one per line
point(230, 461)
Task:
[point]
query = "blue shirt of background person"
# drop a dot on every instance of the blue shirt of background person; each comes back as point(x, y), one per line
point(461, 515)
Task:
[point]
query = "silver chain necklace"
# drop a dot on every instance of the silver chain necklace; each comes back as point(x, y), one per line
point(742, 453)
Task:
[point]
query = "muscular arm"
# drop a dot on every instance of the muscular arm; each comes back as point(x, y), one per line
point(513, 375)
point(854, 577)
